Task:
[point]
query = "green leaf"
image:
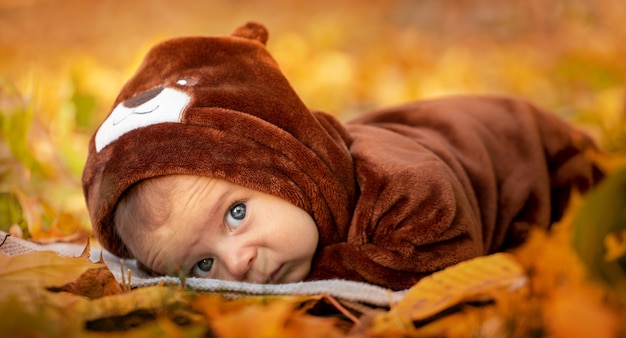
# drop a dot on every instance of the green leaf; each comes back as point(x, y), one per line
point(603, 216)
point(84, 105)
point(11, 212)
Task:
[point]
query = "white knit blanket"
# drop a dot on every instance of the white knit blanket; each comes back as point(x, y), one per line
point(340, 289)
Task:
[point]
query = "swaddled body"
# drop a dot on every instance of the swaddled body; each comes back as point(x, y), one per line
point(450, 179)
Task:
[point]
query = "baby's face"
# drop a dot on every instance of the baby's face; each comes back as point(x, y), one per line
point(220, 230)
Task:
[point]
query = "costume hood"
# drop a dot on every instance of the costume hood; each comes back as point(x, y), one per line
point(219, 107)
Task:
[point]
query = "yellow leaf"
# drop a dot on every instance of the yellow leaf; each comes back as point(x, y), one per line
point(20, 319)
point(27, 277)
point(615, 245)
point(476, 279)
point(154, 298)
point(39, 269)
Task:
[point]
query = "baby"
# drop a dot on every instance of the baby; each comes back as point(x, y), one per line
point(209, 164)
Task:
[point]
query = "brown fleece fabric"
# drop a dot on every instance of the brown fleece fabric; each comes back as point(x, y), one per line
point(396, 194)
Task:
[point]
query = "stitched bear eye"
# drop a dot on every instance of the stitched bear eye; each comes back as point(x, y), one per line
point(187, 81)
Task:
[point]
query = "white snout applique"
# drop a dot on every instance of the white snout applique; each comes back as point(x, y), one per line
point(167, 106)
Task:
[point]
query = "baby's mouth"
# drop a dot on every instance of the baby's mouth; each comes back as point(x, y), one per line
point(273, 277)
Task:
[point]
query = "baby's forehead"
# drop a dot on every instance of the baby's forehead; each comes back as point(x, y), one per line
point(160, 183)
point(163, 188)
point(165, 193)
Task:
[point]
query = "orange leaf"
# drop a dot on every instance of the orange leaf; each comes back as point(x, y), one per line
point(577, 312)
point(278, 319)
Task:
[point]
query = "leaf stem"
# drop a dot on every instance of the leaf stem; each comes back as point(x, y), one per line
point(5, 239)
point(341, 308)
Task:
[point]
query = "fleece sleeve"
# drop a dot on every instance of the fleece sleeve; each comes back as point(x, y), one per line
point(412, 218)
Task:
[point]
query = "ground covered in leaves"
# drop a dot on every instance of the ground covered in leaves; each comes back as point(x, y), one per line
point(63, 63)
point(541, 289)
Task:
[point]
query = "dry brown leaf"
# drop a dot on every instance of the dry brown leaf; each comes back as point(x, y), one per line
point(94, 283)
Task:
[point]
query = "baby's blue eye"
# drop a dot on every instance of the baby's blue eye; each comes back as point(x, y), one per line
point(235, 215)
point(238, 211)
point(203, 267)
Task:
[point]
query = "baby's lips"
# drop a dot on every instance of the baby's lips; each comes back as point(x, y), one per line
point(274, 276)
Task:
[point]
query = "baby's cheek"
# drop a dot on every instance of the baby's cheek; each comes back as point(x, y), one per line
point(300, 274)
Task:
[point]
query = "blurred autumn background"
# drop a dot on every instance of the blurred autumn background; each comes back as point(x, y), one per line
point(62, 63)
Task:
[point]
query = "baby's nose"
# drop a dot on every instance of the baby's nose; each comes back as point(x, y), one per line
point(239, 262)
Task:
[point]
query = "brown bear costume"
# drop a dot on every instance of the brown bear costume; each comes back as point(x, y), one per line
point(397, 194)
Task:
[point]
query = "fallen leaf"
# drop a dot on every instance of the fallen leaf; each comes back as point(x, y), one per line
point(11, 219)
point(600, 217)
point(276, 319)
point(477, 279)
point(46, 224)
point(615, 245)
point(16, 231)
point(26, 277)
point(153, 298)
point(93, 283)
point(579, 313)
point(570, 304)
point(215, 305)
point(38, 270)
point(159, 327)
point(22, 319)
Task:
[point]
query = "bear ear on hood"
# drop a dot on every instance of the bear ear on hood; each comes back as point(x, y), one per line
point(252, 31)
